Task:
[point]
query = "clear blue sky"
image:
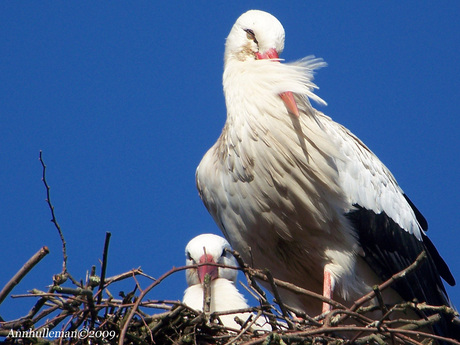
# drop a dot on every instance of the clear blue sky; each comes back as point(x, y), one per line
point(124, 98)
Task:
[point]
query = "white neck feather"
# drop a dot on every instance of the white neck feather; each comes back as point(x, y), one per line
point(224, 297)
point(253, 87)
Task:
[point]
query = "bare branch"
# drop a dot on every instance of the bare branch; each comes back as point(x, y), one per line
point(422, 256)
point(35, 259)
point(53, 217)
point(104, 265)
point(207, 297)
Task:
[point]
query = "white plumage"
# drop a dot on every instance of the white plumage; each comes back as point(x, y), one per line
point(224, 294)
point(297, 193)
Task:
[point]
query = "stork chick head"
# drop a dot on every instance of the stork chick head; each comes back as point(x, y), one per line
point(209, 248)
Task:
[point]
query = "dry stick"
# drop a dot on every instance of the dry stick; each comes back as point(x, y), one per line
point(247, 325)
point(50, 324)
point(59, 278)
point(147, 327)
point(138, 285)
point(253, 272)
point(104, 265)
point(358, 317)
point(36, 308)
point(250, 279)
point(163, 319)
point(35, 293)
point(379, 296)
point(329, 320)
point(258, 292)
point(207, 297)
point(324, 330)
point(383, 308)
point(66, 327)
point(151, 286)
point(53, 298)
point(139, 299)
point(379, 338)
point(395, 277)
point(300, 313)
point(265, 306)
point(72, 291)
point(423, 306)
point(376, 291)
point(35, 259)
point(275, 291)
point(364, 320)
point(53, 219)
point(252, 282)
point(250, 290)
point(20, 322)
point(122, 276)
point(292, 287)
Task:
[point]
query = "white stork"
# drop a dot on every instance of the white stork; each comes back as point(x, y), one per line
point(209, 248)
point(297, 193)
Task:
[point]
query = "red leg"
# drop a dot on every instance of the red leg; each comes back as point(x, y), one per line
point(327, 289)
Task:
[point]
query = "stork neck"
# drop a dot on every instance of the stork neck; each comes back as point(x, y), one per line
point(247, 92)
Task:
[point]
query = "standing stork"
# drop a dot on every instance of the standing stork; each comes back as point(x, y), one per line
point(297, 193)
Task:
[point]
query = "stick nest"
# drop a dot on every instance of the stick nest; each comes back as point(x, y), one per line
point(69, 306)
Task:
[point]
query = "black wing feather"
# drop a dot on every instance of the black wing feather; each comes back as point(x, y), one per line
point(418, 215)
point(389, 249)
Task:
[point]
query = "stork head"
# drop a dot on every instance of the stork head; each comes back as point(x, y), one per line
point(209, 248)
point(255, 35)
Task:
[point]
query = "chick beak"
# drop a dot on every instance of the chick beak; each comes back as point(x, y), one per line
point(213, 271)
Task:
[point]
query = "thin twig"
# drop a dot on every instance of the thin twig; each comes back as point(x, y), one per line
point(278, 299)
point(118, 277)
point(150, 287)
point(292, 287)
point(53, 219)
point(422, 256)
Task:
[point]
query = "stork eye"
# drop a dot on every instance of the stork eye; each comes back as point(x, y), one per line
point(251, 36)
point(189, 257)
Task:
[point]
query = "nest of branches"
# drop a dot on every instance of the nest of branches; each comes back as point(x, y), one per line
point(85, 312)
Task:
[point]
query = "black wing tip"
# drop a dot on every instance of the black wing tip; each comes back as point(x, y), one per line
point(441, 265)
point(389, 249)
point(418, 215)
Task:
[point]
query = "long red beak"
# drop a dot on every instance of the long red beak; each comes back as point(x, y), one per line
point(213, 271)
point(287, 97)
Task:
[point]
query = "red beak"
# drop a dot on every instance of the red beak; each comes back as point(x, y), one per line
point(287, 97)
point(213, 271)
